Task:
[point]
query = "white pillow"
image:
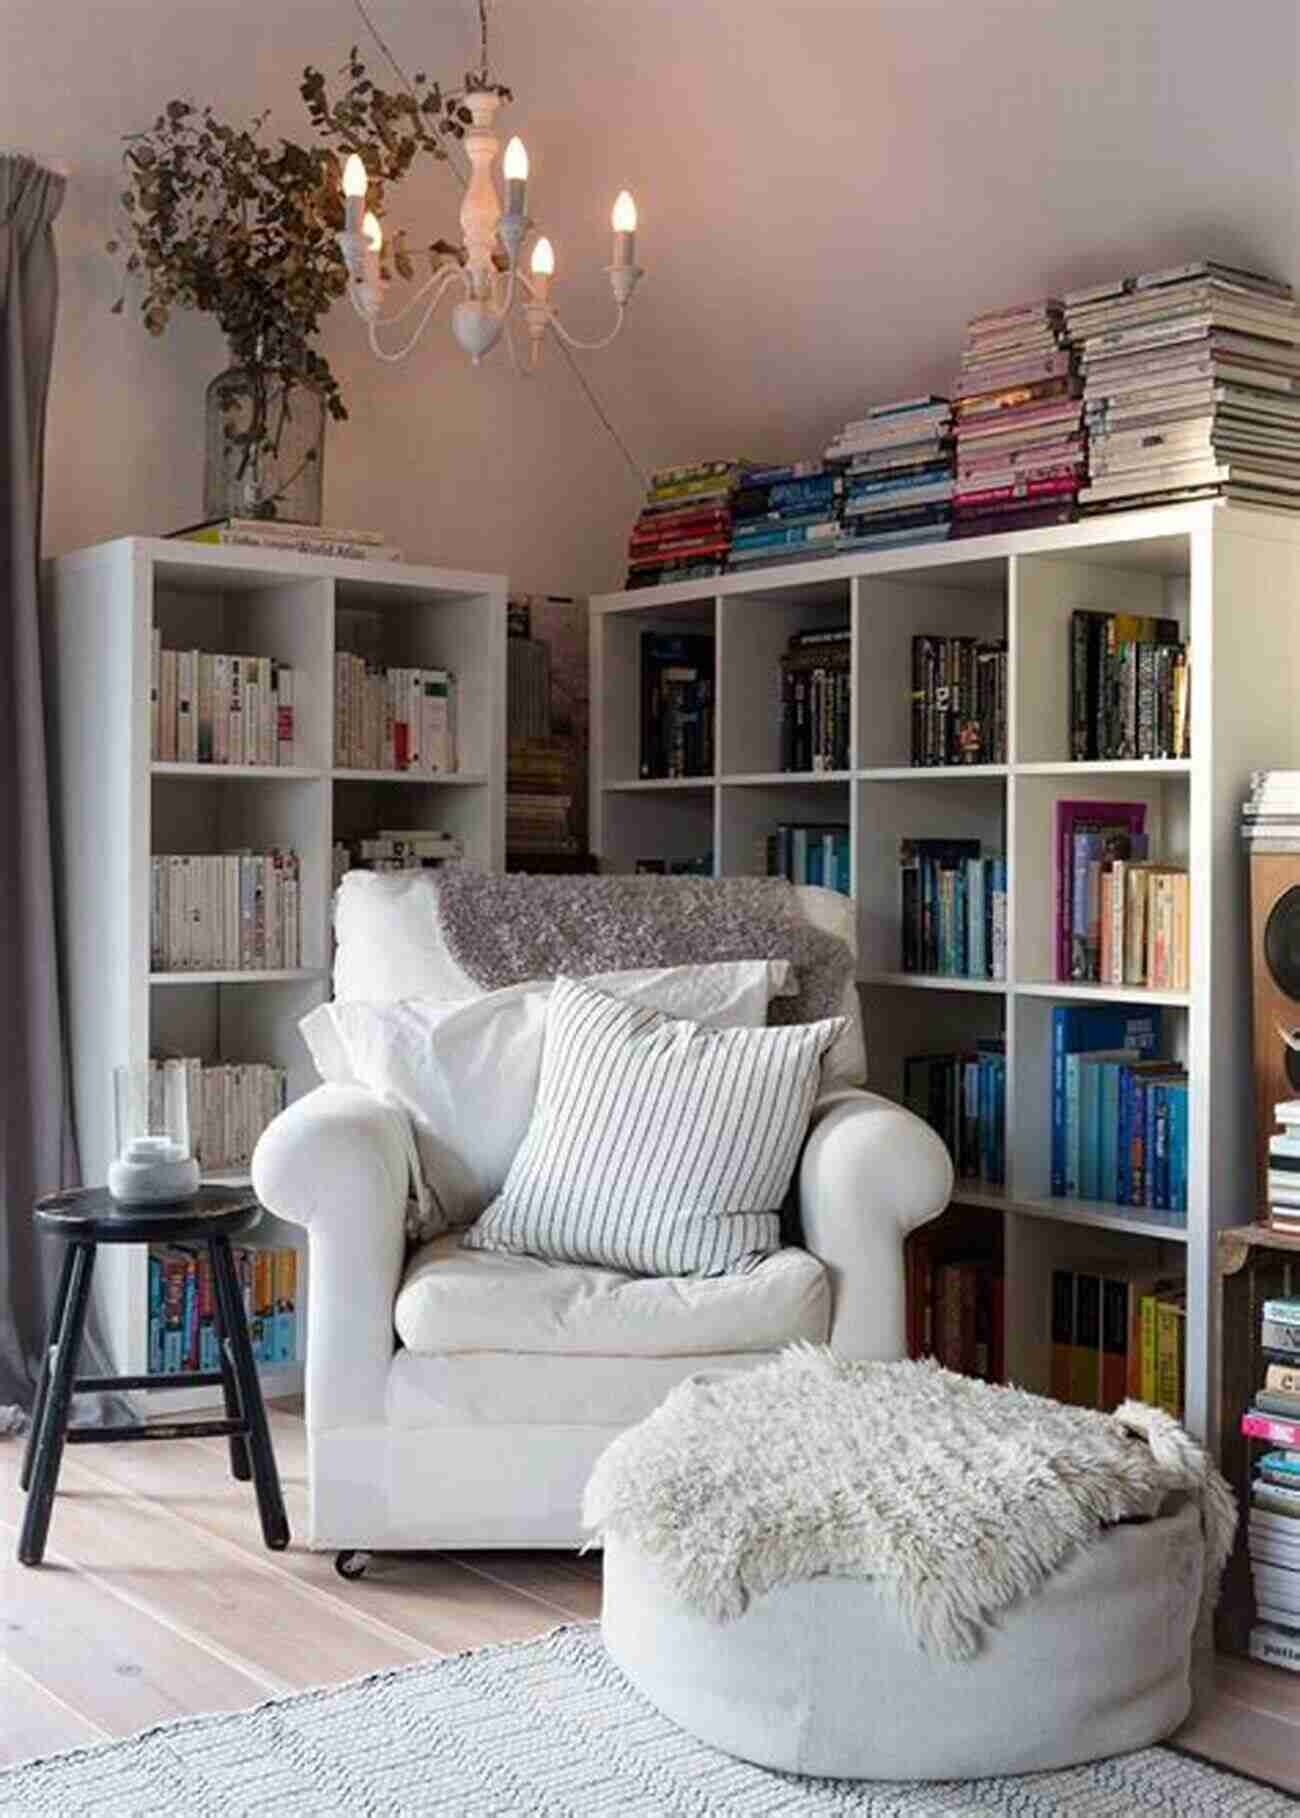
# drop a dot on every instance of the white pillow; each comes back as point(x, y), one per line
point(656, 1146)
point(466, 1073)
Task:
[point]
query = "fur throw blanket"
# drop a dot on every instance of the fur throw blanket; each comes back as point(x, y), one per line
point(957, 1497)
point(502, 930)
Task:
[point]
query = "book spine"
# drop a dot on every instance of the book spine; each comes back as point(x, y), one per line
point(1271, 1427)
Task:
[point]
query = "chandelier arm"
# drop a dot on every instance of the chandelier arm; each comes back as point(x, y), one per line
point(391, 358)
point(441, 277)
point(588, 346)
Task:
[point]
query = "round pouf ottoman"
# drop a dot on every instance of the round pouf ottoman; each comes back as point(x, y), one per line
point(934, 1665)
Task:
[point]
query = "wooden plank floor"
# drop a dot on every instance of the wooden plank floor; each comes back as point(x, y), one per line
point(158, 1599)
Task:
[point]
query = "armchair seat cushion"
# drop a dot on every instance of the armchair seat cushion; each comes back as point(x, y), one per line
point(453, 1299)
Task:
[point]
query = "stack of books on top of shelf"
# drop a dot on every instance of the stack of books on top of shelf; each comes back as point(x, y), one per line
point(955, 1313)
point(964, 1098)
point(1130, 687)
point(539, 796)
point(225, 911)
point(1190, 381)
point(182, 1333)
point(393, 719)
point(1270, 815)
point(897, 462)
point(295, 539)
point(953, 908)
point(684, 530)
point(1274, 1527)
point(808, 852)
point(1284, 1168)
point(207, 708)
point(959, 700)
point(816, 700)
point(1119, 1114)
point(1118, 1334)
point(677, 714)
point(785, 514)
point(1018, 422)
point(396, 849)
point(230, 1105)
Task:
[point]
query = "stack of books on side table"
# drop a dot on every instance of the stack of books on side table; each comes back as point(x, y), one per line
point(1274, 1526)
point(294, 539)
point(1284, 1168)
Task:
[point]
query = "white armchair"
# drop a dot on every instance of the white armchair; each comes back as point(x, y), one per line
point(460, 1398)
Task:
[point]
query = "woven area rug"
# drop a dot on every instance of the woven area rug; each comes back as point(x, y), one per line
point(545, 1729)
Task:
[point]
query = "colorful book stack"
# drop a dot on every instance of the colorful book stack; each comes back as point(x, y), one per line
point(207, 708)
point(225, 911)
point(229, 1106)
point(1018, 422)
point(1190, 378)
point(181, 1333)
point(1270, 815)
point(1088, 835)
point(1118, 1335)
point(1284, 1168)
point(676, 704)
point(396, 849)
point(393, 719)
point(1273, 1534)
point(809, 852)
point(956, 1314)
point(785, 514)
point(953, 910)
point(540, 776)
point(816, 700)
point(296, 539)
point(964, 1097)
point(897, 462)
point(1119, 1115)
point(1130, 681)
point(959, 700)
point(684, 530)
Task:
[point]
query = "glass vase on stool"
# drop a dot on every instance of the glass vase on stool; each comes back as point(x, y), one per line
point(155, 1162)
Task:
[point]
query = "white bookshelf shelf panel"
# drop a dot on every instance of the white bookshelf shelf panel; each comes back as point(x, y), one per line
point(253, 773)
point(653, 784)
point(1210, 566)
point(271, 975)
point(451, 779)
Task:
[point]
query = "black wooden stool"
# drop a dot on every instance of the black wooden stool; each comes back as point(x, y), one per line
point(85, 1219)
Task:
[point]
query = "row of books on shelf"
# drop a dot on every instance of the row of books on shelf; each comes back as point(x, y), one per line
point(230, 1104)
point(1273, 1529)
point(393, 719)
point(959, 700)
point(394, 849)
point(816, 700)
point(699, 865)
point(1118, 1334)
point(953, 908)
point(809, 852)
point(677, 704)
point(209, 708)
point(1130, 687)
point(1120, 1114)
point(295, 539)
point(541, 775)
point(964, 1098)
point(225, 911)
point(955, 1312)
point(182, 1329)
point(1120, 918)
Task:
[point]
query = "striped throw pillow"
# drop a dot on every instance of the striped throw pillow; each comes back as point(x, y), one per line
point(656, 1146)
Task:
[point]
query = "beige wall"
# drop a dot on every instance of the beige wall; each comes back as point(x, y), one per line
point(828, 190)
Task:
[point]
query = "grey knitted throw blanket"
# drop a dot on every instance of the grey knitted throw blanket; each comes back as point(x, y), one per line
point(503, 930)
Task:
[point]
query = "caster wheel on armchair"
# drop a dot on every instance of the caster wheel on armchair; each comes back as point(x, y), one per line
point(351, 1563)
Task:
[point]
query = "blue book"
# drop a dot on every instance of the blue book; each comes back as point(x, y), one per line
point(1084, 1028)
point(1178, 1108)
point(1285, 1463)
point(1073, 1128)
point(1109, 1138)
point(814, 861)
point(1160, 1148)
point(155, 1315)
point(1089, 1126)
point(843, 873)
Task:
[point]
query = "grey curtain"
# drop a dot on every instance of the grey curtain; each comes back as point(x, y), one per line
point(37, 1154)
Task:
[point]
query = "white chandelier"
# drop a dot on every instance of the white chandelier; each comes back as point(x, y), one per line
point(490, 290)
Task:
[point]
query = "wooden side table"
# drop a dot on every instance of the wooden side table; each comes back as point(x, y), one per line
point(83, 1220)
point(1253, 1263)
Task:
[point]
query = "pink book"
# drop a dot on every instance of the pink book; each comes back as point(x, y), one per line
point(1268, 1426)
point(1082, 817)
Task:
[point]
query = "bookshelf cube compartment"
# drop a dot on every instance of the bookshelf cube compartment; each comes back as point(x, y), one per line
point(233, 1022)
point(1149, 578)
point(913, 808)
point(756, 629)
point(616, 693)
point(664, 827)
point(889, 614)
point(252, 614)
point(1041, 880)
point(415, 804)
point(749, 814)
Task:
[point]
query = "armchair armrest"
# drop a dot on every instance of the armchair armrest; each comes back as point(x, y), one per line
point(336, 1162)
point(870, 1173)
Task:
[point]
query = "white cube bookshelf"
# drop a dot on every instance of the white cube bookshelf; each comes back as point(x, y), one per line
point(115, 807)
point(1231, 576)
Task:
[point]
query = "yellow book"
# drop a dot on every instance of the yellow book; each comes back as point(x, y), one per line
point(1148, 1341)
point(1171, 1325)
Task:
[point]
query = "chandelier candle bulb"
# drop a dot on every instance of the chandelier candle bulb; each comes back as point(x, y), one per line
point(543, 269)
point(516, 175)
point(623, 219)
point(355, 184)
point(372, 233)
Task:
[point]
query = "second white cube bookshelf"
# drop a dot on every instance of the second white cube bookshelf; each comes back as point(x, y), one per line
point(1231, 577)
point(117, 807)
